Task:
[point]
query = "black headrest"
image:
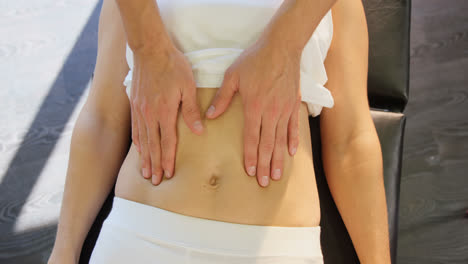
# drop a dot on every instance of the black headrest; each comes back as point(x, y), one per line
point(388, 23)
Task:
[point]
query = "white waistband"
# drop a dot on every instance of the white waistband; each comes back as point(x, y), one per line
point(162, 226)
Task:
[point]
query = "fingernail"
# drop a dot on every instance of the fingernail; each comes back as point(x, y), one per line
point(198, 126)
point(154, 179)
point(293, 150)
point(143, 172)
point(210, 111)
point(251, 170)
point(276, 174)
point(264, 181)
point(167, 174)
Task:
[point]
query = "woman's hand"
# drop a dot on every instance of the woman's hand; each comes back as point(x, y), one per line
point(267, 78)
point(162, 78)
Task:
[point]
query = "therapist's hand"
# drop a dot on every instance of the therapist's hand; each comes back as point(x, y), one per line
point(266, 75)
point(162, 79)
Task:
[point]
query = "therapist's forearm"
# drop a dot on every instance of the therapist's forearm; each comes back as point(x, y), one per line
point(143, 25)
point(355, 177)
point(295, 22)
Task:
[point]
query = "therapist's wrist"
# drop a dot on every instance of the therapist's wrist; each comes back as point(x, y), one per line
point(159, 46)
point(277, 39)
point(144, 27)
point(276, 44)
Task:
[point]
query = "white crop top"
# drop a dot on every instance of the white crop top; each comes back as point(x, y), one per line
point(213, 33)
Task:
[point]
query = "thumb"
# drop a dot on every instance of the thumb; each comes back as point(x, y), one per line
point(223, 97)
point(191, 112)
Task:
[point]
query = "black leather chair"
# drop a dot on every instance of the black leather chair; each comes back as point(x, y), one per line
point(389, 27)
point(388, 24)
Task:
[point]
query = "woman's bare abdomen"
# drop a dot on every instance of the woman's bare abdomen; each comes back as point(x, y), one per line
point(210, 181)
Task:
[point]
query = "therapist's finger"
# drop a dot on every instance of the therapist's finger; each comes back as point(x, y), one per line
point(266, 146)
point(168, 124)
point(252, 121)
point(143, 139)
point(281, 142)
point(154, 147)
point(135, 132)
point(191, 110)
point(293, 129)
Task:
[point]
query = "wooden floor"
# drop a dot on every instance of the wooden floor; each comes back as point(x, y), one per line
point(434, 188)
point(47, 56)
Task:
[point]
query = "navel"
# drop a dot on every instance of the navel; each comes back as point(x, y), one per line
point(213, 181)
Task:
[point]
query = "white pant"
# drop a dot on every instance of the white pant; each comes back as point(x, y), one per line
point(138, 233)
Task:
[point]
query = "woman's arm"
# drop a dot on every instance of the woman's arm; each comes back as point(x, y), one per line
point(100, 141)
point(351, 149)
